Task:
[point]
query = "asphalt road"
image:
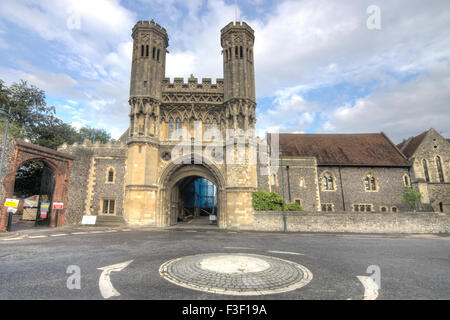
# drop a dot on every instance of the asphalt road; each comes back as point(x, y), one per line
point(36, 268)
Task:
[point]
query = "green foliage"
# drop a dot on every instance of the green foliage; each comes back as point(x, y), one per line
point(94, 135)
point(411, 197)
point(267, 201)
point(32, 120)
point(271, 201)
point(293, 206)
point(28, 179)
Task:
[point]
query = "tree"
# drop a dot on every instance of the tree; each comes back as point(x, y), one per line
point(32, 120)
point(411, 197)
point(100, 135)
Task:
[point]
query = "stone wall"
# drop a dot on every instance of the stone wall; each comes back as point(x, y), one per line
point(402, 222)
point(7, 163)
point(88, 185)
point(351, 187)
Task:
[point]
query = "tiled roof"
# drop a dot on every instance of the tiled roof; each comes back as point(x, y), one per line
point(409, 146)
point(343, 149)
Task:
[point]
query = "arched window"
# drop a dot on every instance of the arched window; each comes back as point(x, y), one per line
point(171, 129)
point(157, 55)
point(439, 168)
point(441, 207)
point(328, 182)
point(153, 52)
point(146, 50)
point(370, 183)
point(406, 181)
point(110, 175)
point(241, 51)
point(425, 170)
point(178, 132)
point(142, 50)
point(236, 51)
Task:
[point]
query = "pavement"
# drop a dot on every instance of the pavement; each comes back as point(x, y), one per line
point(78, 262)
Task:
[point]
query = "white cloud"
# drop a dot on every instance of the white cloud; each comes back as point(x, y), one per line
point(402, 111)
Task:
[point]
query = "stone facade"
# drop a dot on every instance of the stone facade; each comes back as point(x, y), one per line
point(148, 181)
point(89, 180)
point(424, 152)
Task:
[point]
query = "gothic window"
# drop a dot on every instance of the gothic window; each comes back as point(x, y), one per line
point(230, 52)
point(110, 175)
point(439, 168)
point(157, 55)
point(241, 52)
point(425, 170)
point(406, 181)
point(328, 182)
point(178, 128)
point(146, 50)
point(153, 53)
point(236, 51)
point(370, 183)
point(171, 129)
point(142, 50)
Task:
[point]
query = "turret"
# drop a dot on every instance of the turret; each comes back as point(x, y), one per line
point(237, 40)
point(150, 42)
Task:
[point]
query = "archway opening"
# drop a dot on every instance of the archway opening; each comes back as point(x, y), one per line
point(194, 201)
point(34, 186)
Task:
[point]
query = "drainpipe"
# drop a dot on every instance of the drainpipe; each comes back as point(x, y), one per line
point(289, 183)
point(342, 188)
point(282, 188)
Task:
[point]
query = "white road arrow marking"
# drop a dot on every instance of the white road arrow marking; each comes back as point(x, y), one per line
point(370, 287)
point(106, 288)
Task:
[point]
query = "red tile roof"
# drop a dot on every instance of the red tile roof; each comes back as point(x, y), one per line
point(409, 146)
point(343, 149)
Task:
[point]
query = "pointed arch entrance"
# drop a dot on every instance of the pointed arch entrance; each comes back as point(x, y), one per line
point(175, 178)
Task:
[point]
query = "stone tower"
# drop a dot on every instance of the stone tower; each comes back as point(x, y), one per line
point(239, 103)
point(150, 42)
point(237, 41)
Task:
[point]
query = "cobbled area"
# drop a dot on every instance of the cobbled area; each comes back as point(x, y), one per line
point(279, 276)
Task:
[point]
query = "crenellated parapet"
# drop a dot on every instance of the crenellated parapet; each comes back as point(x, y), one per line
point(150, 26)
point(192, 84)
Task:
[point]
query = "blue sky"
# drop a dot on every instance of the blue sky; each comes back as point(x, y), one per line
point(319, 68)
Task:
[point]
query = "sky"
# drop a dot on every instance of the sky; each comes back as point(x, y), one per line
point(321, 66)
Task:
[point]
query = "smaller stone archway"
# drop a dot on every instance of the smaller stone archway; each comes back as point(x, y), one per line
point(173, 174)
point(19, 153)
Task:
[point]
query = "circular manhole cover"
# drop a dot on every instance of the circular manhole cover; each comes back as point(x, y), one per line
point(236, 273)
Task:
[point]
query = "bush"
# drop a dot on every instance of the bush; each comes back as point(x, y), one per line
point(271, 201)
point(293, 206)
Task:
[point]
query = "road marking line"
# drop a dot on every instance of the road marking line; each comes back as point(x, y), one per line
point(111, 231)
point(231, 232)
point(58, 235)
point(104, 283)
point(16, 238)
point(370, 287)
point(239, 248)
point(36, 237)
point(191, 231)
point(81, 232)
point(96, 231)
point(126, 229)
point(286, 252)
